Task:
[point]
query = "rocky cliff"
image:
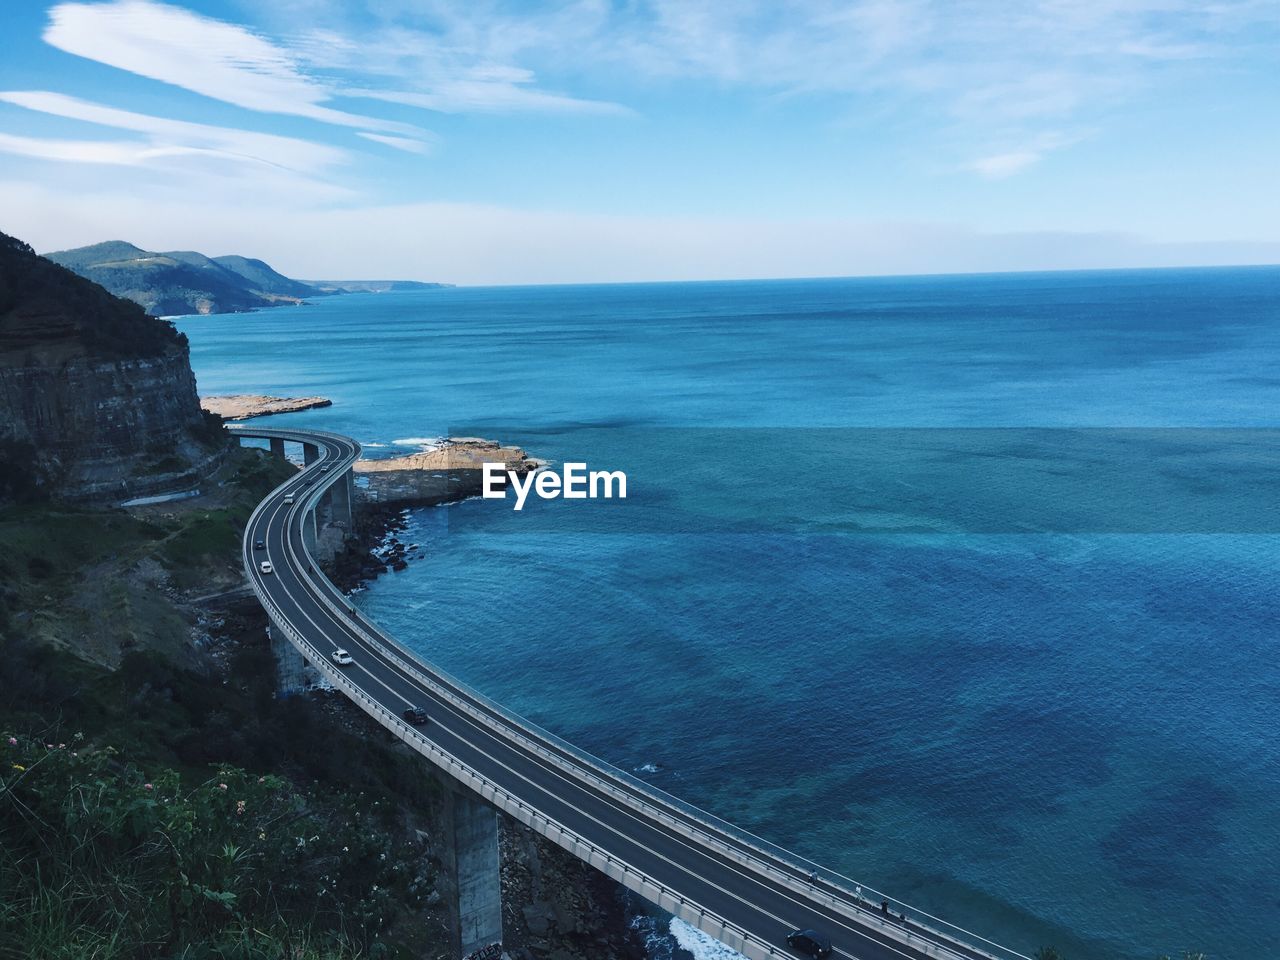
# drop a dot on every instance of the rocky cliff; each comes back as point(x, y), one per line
point(97, 399)
point(451, 470)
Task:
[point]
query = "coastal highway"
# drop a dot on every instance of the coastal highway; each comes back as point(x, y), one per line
point(737, 888)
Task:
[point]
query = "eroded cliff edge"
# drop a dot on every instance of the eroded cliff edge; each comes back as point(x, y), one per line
point(97, 398)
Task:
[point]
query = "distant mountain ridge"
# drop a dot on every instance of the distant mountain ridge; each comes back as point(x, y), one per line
point(185, 281)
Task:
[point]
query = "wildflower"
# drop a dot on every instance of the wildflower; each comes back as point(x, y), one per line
point(222, 786)
point(19, 767)
point(147, 786)
point(239, 807)
point(13, 741)
point(262, 835)
point(262, 779)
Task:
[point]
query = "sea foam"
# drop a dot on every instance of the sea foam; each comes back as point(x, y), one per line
point(702, 946)
point(425, 442)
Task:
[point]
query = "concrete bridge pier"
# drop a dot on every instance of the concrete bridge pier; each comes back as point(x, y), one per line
point(293, 673)
point(478, 869)
point(340, 496)
point(310, 453)
point(277, 447)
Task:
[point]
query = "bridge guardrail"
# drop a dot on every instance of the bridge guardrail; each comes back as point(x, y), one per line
point(777, 862)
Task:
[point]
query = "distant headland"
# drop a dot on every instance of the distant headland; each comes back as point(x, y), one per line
point(243, 406)
point(186, 282)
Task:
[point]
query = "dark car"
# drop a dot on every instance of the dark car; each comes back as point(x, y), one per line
point(810, 943)
point(416, 715)
point(259, 545)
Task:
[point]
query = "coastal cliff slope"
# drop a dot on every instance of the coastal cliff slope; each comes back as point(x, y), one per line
point(182, 281)
point(179, 282)
point(266, 280)
point(97, 398)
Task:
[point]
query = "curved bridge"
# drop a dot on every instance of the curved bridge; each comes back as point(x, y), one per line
point(732, 885)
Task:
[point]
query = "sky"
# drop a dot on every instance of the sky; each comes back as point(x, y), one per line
point(482, 142)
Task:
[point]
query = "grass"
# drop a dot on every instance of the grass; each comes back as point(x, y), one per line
point(321, 862)
point(65, 571)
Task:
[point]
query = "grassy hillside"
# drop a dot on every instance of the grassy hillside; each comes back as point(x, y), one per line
point(182, 281)
point(156, 801)
point(260, 275)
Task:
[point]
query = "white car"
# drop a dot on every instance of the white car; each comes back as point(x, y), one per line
point(342, 658)
point(265, 566)
point(289, 498)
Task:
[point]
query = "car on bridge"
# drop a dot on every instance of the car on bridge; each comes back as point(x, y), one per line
point(342, 658)
point(415, 715)
point(259, 545)
point(324, 468)
point(289, 498)
point(810, 943)
point(265, 566)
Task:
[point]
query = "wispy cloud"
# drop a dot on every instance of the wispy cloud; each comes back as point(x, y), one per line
point(982, 69)
point(490, 95)
point(211, 57)
point(1008, 162)
point(399, 143)
point(166, 137)
point(1001, 165)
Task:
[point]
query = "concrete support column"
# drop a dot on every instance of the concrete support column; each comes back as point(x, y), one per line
point(475, 839)
point(293, 673)
point(277, 447)
point(340, 500)
point(310, 453)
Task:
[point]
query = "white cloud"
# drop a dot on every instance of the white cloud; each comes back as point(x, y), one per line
point(1001, 165)
point(1007, 163)
point(491, 96)
point(114, 152)
point(221, 60)
point(167, 137)
point(399, 143)
point(983, 70)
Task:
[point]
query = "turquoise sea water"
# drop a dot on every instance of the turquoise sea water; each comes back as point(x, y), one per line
point(1059, 729)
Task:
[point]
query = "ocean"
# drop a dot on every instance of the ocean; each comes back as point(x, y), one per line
point(962, 586)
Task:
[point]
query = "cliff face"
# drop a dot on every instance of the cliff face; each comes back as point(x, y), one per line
point(97, 399)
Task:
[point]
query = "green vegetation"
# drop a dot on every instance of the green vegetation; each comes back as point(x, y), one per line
point(64, 570)
point(182, 281)
point(117, 836)
point(105, 856)
point(43, 304)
